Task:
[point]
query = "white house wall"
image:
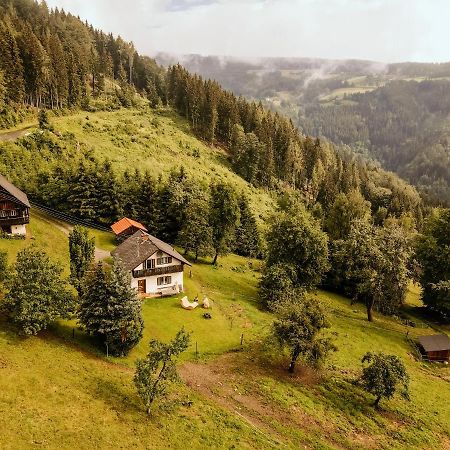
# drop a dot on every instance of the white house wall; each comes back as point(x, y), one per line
point(151, 282)
point(152, 286)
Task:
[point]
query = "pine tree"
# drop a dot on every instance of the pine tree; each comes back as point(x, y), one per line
point(196, 234)
point(94, 300)
point(247, 241)
point(123, 324)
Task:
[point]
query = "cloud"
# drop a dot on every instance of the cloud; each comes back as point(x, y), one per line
point(382, 30)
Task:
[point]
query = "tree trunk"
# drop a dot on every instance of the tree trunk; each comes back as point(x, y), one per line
point(215, 259)
point(369, 306)
point(377, 401)
point(196, 256)
point(294, 358)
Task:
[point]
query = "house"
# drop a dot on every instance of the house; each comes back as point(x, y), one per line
point(156, 267)
point(126, 227)
point(435, 347)
point(14, 209)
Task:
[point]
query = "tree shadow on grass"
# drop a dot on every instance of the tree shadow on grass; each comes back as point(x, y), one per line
point(118, 397)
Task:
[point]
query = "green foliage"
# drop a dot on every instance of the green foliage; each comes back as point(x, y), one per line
point(157, 370)
point(37, 294)
point(44, 123)
point(278, 285)
point(122, 324)
point(81, 251)
point(345, 210)
point(247, 236)
point(55, 60)
point(433, 256)
point(384, 375)
point(298, 327)
point(224, 217)
point(296, 238)
point(110, 309)
point(3, 266)
point(196, 233)
point(373, 265)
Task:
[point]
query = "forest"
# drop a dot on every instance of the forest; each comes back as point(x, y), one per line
point(51, 59)
point(393, 114)
point(403, 125)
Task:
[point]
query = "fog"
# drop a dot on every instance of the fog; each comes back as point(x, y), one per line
point(379, 30)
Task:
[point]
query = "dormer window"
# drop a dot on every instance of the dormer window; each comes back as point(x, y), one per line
point(164, 260)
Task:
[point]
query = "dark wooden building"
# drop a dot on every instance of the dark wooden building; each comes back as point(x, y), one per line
point(435, 347)
point(14, 208)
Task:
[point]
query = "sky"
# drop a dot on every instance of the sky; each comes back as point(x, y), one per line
point(379, 30)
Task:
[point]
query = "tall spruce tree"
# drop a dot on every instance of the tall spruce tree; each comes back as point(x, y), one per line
point(196, 233)
point(123, 324)
point(224, 218)
point(247, 238)
point(110, 309)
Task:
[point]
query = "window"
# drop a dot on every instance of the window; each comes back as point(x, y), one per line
point(162, 281)
point(150, 264)
point(164, 260)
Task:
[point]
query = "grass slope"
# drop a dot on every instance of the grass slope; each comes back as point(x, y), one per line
point(56, 391)
point(157, 141)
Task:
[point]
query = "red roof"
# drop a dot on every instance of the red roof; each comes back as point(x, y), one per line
point(125, 223)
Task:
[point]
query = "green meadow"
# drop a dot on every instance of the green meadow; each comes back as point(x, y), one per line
point(60, 390)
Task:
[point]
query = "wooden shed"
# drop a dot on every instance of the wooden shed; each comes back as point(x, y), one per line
point(435, 347)
point(126, 227)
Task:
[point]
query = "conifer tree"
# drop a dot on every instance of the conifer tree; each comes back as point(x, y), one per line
point(123, 324)
point(110, 309)
point(196, 234)
point(94, 299)
point(224, 218)
point(81, 251)
point(247, 239)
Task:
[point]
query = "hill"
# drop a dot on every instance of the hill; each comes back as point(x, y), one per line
point(56, 390)
point(396, 114)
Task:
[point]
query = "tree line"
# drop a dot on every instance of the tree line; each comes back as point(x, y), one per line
point(52, 59)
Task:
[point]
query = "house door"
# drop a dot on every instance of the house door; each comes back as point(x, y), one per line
point(142, 286)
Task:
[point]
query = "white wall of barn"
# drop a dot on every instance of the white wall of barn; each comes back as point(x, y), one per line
point(19, 229)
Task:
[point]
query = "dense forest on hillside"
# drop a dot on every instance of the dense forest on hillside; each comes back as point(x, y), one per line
point(395, 114)
point(53, 60)
point(404, 125)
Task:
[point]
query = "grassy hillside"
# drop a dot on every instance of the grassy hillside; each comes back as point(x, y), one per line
point(64, 392)
point(157, 141)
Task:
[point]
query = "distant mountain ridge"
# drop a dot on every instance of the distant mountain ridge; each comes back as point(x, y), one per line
point(353, 103)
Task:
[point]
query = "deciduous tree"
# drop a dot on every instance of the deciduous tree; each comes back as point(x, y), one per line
point(298, 327)
point(157, 370)
point(384, 376)
point(37, 294)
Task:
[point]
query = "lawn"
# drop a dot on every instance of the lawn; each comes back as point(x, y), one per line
point(61, 391)
point(43, 234)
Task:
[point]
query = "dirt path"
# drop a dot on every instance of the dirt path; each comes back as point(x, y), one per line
point(224, 382)
point(99, 253)
point(13, 135)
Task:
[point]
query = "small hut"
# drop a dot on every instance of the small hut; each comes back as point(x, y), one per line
point(126, 227)
point(435, 347)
